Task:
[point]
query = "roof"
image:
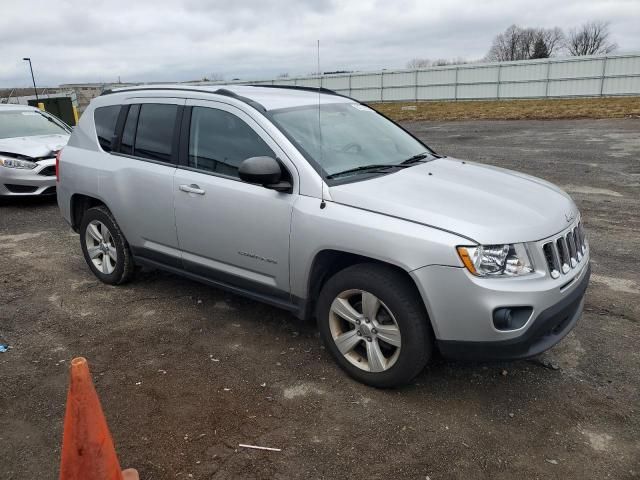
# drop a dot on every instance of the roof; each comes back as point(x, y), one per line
point(14, 107)
point(271, 98)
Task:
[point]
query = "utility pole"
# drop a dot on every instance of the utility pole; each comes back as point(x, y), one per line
point(27, 59)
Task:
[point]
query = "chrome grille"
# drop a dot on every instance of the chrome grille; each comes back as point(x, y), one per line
point(573, 253)
point(565, 252)
point(576, 241)
point(552, 259)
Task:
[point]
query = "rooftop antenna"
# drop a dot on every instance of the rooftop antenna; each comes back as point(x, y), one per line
point(322, 202)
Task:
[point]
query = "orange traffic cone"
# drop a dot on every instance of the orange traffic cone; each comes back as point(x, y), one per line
point(87, 447)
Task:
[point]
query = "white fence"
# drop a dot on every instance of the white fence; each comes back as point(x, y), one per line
point(549, 77)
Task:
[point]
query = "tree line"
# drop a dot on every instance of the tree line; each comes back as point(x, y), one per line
point(518, 43)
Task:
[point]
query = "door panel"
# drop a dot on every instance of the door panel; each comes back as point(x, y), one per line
point(140, 192)
point(229, 230)
point(141, 199)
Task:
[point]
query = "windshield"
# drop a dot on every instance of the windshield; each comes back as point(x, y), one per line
point(353, 136)
point(28, 123)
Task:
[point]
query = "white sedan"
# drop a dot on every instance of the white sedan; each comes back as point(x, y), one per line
point(29, 141)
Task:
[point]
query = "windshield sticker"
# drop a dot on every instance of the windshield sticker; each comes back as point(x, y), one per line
point(357, 106)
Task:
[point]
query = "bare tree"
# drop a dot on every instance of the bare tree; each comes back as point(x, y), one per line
point(441, 62)
point(418, 63)
point(517, 43)
point(507, 45)
point(284, 75)
point(592, 38)
point(553, 39)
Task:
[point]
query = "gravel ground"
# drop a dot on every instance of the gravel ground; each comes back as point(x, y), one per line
point(186, 372)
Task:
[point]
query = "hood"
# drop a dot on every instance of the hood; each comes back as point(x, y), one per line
point(37, 147)
point(487, 204)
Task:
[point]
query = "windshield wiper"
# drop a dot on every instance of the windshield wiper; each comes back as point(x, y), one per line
point(374, 168)
point(49, 119)
point(416, 158)
point(382, 168)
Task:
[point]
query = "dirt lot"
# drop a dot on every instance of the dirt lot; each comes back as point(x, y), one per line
point(187, 372)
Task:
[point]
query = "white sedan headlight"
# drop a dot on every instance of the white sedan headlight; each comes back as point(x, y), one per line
point(16, 163)
point(497, 260)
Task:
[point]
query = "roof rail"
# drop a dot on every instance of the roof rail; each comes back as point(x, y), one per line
point(221, 91)
point(298, 87)
point(228, 93)
point(305, 89)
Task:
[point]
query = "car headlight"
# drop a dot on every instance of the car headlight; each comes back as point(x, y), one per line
point(15, 163)
point(497, 260)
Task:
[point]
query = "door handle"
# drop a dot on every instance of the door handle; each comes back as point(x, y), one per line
point(193, 188)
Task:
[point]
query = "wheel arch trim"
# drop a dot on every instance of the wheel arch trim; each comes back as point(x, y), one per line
point(80, 203)
point(328, 261)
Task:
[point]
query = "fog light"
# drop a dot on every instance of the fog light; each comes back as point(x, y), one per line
point(511, 318)
point(502, 319)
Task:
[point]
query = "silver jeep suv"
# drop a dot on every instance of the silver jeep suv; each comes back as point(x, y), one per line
point(317, 204)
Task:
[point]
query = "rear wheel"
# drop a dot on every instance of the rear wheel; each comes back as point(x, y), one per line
point(105, 249)
point(375, 325)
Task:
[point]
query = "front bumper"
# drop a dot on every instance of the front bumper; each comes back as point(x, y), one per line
point(461, 308)
point(38, 181)
point(548, 328)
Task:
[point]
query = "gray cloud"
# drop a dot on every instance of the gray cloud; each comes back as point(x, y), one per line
point(161, 40)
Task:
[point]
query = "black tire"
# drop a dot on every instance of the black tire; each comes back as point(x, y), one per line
point(399, 295)
point(124, 265)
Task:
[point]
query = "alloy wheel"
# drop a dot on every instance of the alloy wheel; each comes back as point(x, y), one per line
point(365, 330)
point(101, 247)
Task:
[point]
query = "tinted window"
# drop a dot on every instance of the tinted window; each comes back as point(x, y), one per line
point(129, 132)
point(154, 135)
point(220, 141)
point(106, 119)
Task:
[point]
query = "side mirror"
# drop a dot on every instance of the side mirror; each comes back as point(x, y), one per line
point(265, 171)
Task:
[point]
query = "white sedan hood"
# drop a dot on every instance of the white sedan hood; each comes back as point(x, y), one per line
point(37, 147)
point(487, 204)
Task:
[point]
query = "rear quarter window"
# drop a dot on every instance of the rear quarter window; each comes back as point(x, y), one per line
point(106, 119)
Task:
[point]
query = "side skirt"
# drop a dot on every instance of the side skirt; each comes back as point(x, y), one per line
point(296, 306)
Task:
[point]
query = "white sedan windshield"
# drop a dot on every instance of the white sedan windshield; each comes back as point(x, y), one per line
point(28, 123)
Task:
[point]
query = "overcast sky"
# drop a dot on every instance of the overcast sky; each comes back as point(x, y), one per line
point(75, 41)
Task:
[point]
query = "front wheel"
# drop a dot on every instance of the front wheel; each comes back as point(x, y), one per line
point(374, 323)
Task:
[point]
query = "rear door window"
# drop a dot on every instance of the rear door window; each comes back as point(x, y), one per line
point(106, 119)
point(154, 135)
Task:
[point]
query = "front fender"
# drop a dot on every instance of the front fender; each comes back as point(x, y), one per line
point(402, 243)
